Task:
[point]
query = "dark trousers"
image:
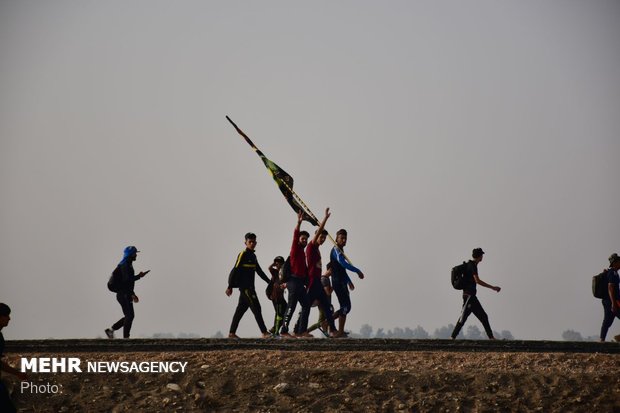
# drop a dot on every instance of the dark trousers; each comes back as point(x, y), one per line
point(344, 297)
point(6, 405)
point(279, 307)
point(126, 302)
point(316, 292)
point(248, 299)
point(608, 318)
point(296, 294)
point(472, 305)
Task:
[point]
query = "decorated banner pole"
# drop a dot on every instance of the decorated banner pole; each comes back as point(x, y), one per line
point(285, 183)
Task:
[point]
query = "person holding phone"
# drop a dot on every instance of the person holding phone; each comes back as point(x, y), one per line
point(126, 295)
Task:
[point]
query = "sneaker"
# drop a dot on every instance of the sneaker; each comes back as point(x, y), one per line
point(109, 332)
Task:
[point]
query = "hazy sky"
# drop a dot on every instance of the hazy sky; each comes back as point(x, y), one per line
point(429, 128)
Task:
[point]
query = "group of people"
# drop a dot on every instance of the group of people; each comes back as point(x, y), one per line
point(302, 275)
point(308, 285)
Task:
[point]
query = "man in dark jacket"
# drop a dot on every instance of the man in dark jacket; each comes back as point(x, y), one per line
point(611, 301)
point(470, 301)
point(6, 405)
point(242, 277)
point(126, 295)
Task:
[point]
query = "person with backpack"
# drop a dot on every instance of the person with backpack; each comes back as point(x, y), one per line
point(6, 404)
point(611, 301)
point(242, 277)
point(471, 304)
point(122, 282)
point(275, 293)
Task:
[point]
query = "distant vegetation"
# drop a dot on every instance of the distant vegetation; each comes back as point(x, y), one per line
point(472, 332)
point(572, 335)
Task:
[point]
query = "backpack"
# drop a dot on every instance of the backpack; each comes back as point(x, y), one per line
point(457, 277)
point(599, 285)
point(233, 279)
point(115, 281)
point(269, 289)
point(285, 271)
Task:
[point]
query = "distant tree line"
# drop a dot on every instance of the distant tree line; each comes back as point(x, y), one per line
point(472, 332)
point(572, 335)
point(180, 335)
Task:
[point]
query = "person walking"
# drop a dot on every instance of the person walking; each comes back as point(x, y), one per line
point(6, 404)
point(471, 304)
point(242, 277)
point(296, 282)
point(611, 301)
point(315, 269)
point(126, 296)
point(276, 294)
point(340, 279)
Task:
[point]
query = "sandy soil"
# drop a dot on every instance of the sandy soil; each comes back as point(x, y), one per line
point(371, 381)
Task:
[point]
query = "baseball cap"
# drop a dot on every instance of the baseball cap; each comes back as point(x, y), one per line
point(477, 252)
point(130, 250)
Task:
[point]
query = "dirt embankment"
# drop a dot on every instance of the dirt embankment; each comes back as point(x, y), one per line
point(333, 381)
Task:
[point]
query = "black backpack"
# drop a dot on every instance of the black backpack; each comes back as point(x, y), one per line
point(285, 271)
point(233, 279)
point(599, 285)
point(457, 277)
point(115, 281)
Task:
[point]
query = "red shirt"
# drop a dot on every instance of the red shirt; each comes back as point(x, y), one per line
point(314, 262)
point(299, 268)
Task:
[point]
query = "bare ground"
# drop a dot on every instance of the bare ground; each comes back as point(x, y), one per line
point(290, 380)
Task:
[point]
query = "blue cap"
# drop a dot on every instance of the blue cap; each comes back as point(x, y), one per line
point(130, 250)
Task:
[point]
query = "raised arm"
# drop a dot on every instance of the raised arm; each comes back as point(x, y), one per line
point(321, 226)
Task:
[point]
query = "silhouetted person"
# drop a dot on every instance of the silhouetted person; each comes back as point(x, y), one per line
point(276, 294)
point(6, 405)
point(126, 295)
point(470, 301)
point(611, 302)
point(242, 277)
